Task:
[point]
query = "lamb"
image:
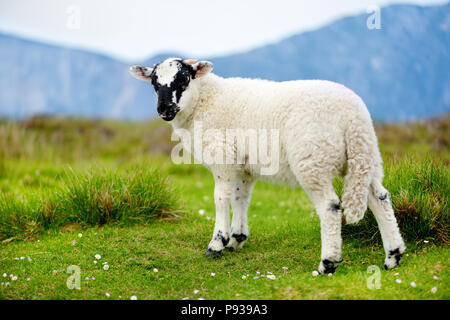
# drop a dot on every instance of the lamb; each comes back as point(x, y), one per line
point(323, 129)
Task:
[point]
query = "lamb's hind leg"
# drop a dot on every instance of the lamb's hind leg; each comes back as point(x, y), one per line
point(381, 207)
point(240, 200)
point(328, 208)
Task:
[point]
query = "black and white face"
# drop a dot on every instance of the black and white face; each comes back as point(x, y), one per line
point(171, 79)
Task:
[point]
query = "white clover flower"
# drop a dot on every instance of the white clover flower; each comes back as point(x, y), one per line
point(79, 235)
point(95, 261)
point(22, 258)
point(396, 274)
point(196, 291)
point(435, 278)
point(133, 298)
point(433, 290)
point(213, 274)
point(5, 275)
point(155, 270)
point(106, 267)
point(97, 256)
point(107, 294)
point(93, 278)
point(201, 212)
point(14, 278)
point(244, 277)
point(398, 280)
point(413, 284)
point(315, 273)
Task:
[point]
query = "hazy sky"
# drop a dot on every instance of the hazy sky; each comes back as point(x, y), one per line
point(135, 29)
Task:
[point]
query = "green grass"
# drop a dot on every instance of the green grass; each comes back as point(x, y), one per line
point(134, 240)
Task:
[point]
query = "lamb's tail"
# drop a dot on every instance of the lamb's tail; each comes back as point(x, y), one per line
point(361, 143)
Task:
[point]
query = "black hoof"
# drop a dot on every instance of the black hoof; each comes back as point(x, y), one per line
point(239, 237)
point(329, 266)
point(213, 253)
point(394, 258)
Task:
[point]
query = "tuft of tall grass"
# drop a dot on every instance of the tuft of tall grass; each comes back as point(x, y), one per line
point(419, 193)
point(91, 199)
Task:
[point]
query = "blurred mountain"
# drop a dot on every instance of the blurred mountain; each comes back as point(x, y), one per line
point(401, 70)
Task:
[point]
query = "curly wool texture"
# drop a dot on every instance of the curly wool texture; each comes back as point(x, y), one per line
point(324, 127)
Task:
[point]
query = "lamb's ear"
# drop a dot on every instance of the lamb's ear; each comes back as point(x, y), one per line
point(202, 68)
point(141, 72)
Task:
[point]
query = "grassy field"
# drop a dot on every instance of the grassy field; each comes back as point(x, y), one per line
point(72, 189)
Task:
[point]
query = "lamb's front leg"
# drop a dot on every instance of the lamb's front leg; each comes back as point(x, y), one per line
point(221, 235)
point(240, 200)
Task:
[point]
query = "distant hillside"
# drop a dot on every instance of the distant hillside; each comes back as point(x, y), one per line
point(38, 78)
point(401, 71)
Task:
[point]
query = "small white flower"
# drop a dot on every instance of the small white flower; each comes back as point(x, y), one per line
point(435, 278)
point(6, 283)
point(105, 267)
point(28, 279)
point(201, 212)
point(255, 277)
point(107, 294)
point(79, 235)
point(17, 258)
point(330, 274)
point(413, 284)
point(315, 273)
point(244, 277)
point(22, 258)
point(5, 275)
point(95, 261)
point(396, 274)
point(196, 291)
point(269, 272)
point(425, 241)
point(200, 299)
point(97, 256)
point(213, 274)
point(155, 270)
point(208, 218)
point(93, 278)
point(257, 272)
point(14, 278)
point(434, 290)
point(398, 280)
point(285, 268)
point(133, 298)
point(87, 278)
point(29, 259)
point(185, 298)
point(271, 277)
